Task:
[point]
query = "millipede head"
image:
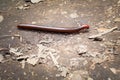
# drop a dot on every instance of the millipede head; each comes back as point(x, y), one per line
point(85, 26)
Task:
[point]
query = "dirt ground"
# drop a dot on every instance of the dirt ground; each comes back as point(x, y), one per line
point(42, 55)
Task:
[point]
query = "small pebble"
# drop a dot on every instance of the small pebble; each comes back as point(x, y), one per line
point(90, 78)
point(74, 15)
point(36, 1)
point(109, 79)
point(46, 78)
point(25, 73)
point(34, 22)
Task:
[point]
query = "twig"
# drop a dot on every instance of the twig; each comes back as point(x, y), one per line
point(3, 36)
point(4, 49)
point(101, 34)
point(54, 60)
point(12, 36)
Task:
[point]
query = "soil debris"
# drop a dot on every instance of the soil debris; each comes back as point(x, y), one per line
point(40, 57)
point(74, 62)
point(1, 18)
point(23, 64)
point(99, 61)
point(79, 75)
point(16, 51)
point(46, 41)
point(117, 20)
point(63, 71)
point(1, 58)
point(23, 7)
point(33, 60)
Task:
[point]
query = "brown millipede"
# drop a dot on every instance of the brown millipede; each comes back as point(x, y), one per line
point(53, 29)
